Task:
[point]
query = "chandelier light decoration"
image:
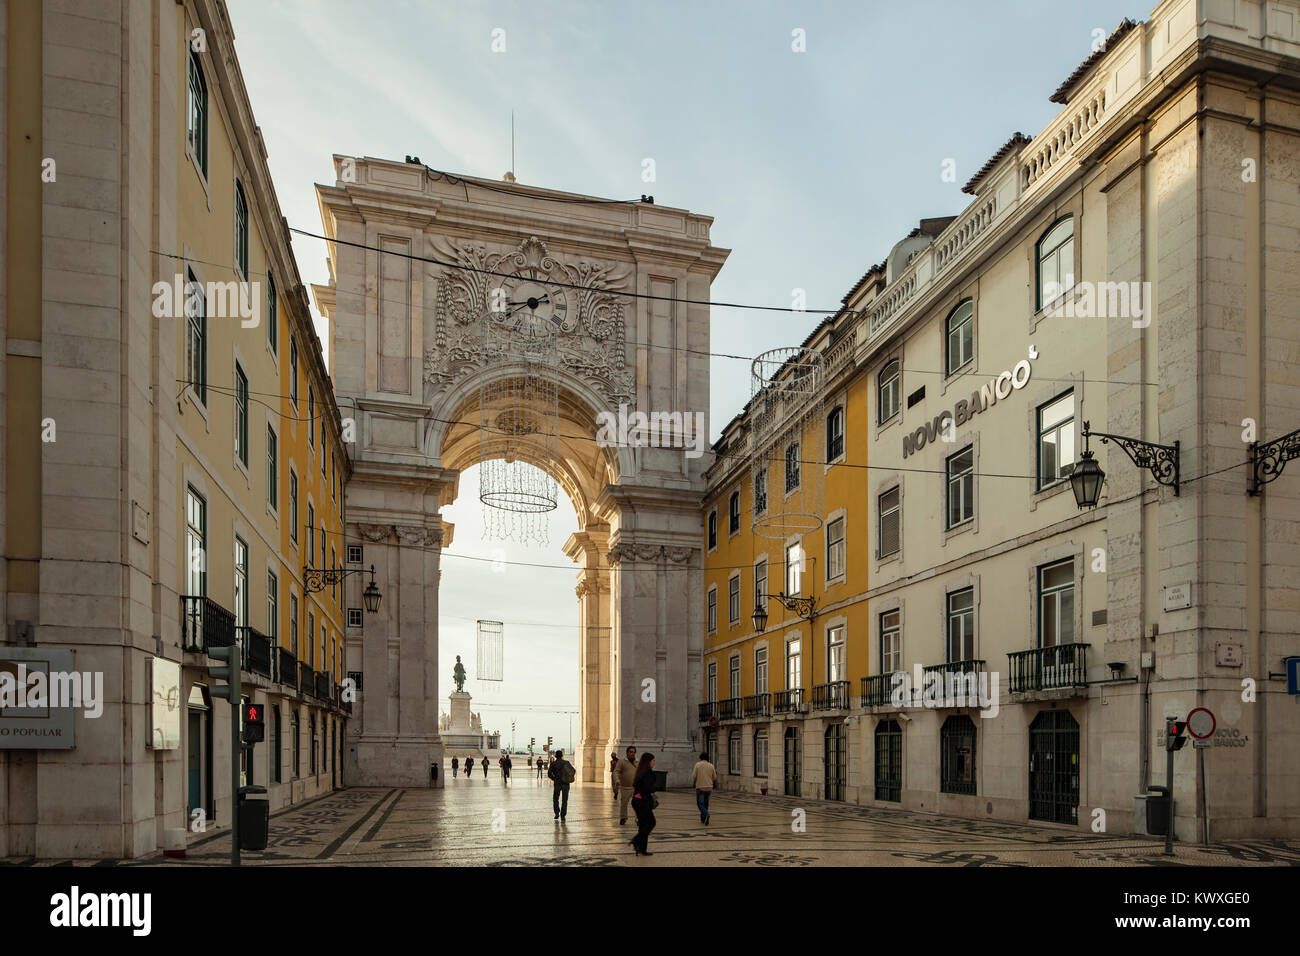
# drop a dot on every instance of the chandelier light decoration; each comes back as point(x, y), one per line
point(519, 432)
point(787, 443)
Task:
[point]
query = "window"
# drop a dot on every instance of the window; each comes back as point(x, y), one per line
point(836, 764)
point(792, 466)
point(1056, 262)
point(961, 486)
point(835, 434)
point(891, 642)
point(323, 456)
point(889, 760)
point(241, 415)
point(272, 313)
point(311, 417)
point(272, 498)
point(293, 371)
point(835, 654)
point(1056, 440)
point(891, 519)
point(196, 532)
point(196, 123)
point(293, 506)
point(297, 745)
point(835, 549)
point(733, 752)
point(961, 625)
point(1056, 604)
point(888, 387)
point(273, 609)
point(733, 599)
point(713, 530)
point(277, 747)
point(793, 568)
point(311, 634)
point(713, 609)
point(312, 724)
point(241, 582)
point(760, 582)
point(241, 231)
point(713, 681)
point(961, 337)
point(760, 752)
point(334, 585)
point(957, 755)
point(311, 531)
point(354, 617)
point(322, 546)
point(354, 554)
point(334, 478)
point(711, 746)
point(733, 513)
point(760, 670)
point(293, 626)
point(733, 676)
point(323, 641)
point(793, 664)
point(196, 338)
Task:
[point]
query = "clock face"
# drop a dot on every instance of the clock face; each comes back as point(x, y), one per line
point(533, 309)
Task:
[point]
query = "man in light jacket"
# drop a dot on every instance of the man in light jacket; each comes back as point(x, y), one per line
point(625, 774)
point(704, 778)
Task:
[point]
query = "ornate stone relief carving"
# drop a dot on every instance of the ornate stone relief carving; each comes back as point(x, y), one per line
point(418, 537)
point(590, 342)
point(375, 532)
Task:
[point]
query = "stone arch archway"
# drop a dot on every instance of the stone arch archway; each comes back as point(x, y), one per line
point(411, 274)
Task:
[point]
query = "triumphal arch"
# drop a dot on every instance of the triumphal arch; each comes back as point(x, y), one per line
point(446, 289)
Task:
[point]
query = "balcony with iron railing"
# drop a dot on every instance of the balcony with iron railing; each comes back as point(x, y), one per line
point(729, 709)
point(756, 705)
point(833, 695)
point(1049, 668)
point(205, 624)
point(788, 701)
point(708, 710)
point(255, 651)
point(957, 682)
point(286, 667)
point(306, 679)
point(323, 685)
point(877, 690)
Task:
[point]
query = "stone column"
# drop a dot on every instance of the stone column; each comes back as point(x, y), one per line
point(593, 591)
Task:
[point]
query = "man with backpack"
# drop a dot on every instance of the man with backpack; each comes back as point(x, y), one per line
point(561, 773)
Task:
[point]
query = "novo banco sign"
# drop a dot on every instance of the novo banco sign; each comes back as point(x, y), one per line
point(943, 426)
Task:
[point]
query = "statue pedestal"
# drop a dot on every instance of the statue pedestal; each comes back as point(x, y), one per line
point(460, 733)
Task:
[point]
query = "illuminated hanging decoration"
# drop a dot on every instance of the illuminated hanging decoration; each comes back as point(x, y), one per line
point(787, 442)
point(519, 425)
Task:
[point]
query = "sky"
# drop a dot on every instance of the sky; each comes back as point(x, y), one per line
point(812, 163)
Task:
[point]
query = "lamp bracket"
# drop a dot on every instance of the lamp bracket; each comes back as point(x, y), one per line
point(1160, 460)
point(1268, 460)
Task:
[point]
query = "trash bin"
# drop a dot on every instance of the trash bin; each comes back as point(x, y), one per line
point(254, 818)
point(661, 779)
point(1158, 810)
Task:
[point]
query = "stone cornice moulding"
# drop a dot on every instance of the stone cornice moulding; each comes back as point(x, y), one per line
point(375, 532)
point(418, 536)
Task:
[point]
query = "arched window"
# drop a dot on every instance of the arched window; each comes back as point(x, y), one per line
point(733, 752)
point(887, 392)
point(957, 755)
point(760, 752)
point(835, 433)
point(733, 513)
point(1055, 256)
point(961, 337)
point(835, 762)
point(241, 230)
point(295, 727)
point(889, 761)
point(792, 466)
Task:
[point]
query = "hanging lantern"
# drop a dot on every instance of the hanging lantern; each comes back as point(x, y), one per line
point(786, 451)
point(519, 431)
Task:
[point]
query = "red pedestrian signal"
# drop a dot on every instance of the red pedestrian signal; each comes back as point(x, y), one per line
point(254, 724)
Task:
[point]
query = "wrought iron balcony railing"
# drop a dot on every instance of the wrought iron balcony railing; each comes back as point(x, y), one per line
point(205, 623)
point(833, 695)
point(708, 710)
point(1042, 668)
point(286, 668)
point(306, 679)
point(756, 705)
point(729, 709)
point(255, 651)
point(877, 690)
point(957, 681)
point(323, 685)
point(788, 701)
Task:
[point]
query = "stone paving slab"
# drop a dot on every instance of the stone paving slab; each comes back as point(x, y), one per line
point(481, 822)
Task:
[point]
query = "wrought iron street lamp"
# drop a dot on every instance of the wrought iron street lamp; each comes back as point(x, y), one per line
point(318, 579)
point(1268, 460)
point(1160, 460)
point(805, 607)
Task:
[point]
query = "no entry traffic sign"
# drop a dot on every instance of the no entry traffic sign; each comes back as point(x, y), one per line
point(1201, 723)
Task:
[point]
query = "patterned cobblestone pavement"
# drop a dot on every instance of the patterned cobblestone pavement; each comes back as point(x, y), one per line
point(480, 822)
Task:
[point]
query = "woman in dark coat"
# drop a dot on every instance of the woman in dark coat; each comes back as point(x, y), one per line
point(643, 801)
point(469, 767)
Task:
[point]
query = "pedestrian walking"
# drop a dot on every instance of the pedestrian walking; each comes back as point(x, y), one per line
point(644, 802)
point(613, 775)
point(541, 765)
point(704, 778)
point(625, 771)
point(455, 766)
point(485, 768)
point(469, 766)
point(505, 768)
point(561, 774)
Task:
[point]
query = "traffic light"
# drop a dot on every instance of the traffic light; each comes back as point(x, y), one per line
point(254, 723)
point(1177, 738)
point(229, 672)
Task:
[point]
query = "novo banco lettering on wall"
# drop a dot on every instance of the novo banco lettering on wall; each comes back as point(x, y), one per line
point(943, 426)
